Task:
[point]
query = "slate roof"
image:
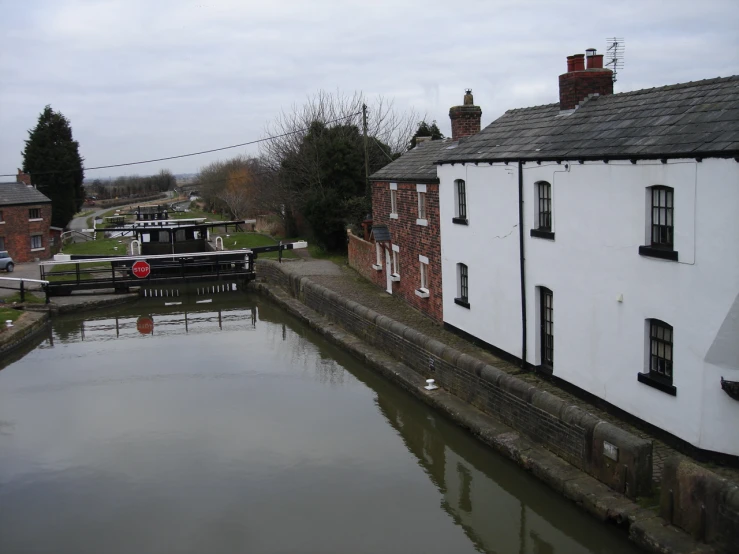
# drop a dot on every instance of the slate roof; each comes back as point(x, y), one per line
point(414, 165)
point(697, 118)
point(381, 233)
point(12, 194)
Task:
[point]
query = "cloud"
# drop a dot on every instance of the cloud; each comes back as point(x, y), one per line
point(142, 79)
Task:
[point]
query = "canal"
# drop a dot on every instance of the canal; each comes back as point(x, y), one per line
point(229, 426)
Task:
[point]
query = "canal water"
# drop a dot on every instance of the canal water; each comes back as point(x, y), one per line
point(229, 426)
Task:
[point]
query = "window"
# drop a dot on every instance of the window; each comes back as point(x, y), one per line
point(378, 257)
point(393, 201)
point(2, 243)
point(34, 213)
point(421, 191)
point(662, 224)
point(546, 302)
point(460, 208)
point(659, 362)
point(423, 290)
point(543, 221)
point(462, 286)
point(396, 260)
point(36, 242)
point(1, 217)
point(661, 231)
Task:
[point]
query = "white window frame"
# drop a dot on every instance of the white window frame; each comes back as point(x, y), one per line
point(423, 266)
point(395, 276)
point(393, 200)
point(422, 207)
point(378, 252)
point(40, 241)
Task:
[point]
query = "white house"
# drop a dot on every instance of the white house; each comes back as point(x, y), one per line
point(601, 246)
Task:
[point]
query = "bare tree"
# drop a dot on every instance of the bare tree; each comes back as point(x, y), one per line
point(384, 124)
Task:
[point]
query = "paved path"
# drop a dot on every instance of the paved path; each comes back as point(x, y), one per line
point(23, 271)
point(348, 283)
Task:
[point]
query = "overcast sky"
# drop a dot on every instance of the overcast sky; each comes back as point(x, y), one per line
point(154, 78)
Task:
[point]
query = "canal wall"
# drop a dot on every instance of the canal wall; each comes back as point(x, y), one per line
point(613, 456)
point(644, 525)
point(25, 329)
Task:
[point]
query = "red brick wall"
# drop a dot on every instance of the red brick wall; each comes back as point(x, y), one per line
point(17, 231)
point(413, 240)
point(575, 86)
point(465, 121)
point(361, 257)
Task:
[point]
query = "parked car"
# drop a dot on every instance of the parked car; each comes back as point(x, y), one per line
point(6, 262)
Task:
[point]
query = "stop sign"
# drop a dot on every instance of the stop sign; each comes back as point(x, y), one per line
point(145, 325)
point(141, 269)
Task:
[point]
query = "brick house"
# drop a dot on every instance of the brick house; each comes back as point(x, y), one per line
point(404, 252)
point(25, 220)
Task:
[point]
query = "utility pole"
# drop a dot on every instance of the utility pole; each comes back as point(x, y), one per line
point(366, 155)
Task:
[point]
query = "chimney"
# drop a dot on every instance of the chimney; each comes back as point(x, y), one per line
point(23, 178)
point(419, 140)
point(579, 83)
point(465, 118)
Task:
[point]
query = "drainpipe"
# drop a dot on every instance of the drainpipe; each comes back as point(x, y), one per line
point(523, 268)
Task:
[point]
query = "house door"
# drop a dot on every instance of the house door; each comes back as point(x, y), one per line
point(546, 338)
point(389, 270)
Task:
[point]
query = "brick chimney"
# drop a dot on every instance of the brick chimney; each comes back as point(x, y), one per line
point(578, 83)
point(465, 118)
point(23, 178)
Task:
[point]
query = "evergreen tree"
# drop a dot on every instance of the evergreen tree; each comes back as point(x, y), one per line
point(52, 158)
point(426, 130)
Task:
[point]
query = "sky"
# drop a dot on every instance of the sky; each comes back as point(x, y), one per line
point(155, 78)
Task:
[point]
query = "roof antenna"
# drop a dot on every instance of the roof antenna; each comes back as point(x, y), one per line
point(616, 47)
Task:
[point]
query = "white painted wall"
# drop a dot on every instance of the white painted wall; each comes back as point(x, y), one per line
point(489, 247)
point(599, 223)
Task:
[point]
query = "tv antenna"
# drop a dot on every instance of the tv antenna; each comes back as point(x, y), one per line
point(615, 54)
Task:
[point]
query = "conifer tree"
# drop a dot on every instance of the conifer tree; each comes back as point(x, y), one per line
point(52, 158)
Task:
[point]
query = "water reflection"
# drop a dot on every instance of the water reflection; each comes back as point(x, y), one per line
point(231, 427)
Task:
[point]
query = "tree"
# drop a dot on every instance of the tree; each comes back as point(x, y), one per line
point(426, 130)
point(317, 159)
point(52, 158)
point(238, 194)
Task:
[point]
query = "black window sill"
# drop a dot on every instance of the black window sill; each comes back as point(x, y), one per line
point(460, 220)
point(540, 234)
point(656, 383)
point(662, 253)
point(462, 303)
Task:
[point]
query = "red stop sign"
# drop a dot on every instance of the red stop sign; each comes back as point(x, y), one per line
point(141, 269)
point(145, 325)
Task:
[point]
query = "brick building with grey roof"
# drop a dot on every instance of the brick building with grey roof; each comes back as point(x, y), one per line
point(25, 220)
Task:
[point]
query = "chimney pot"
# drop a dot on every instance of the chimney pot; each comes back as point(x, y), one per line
point(595, 61)
point(578, 62)
point(590, 52)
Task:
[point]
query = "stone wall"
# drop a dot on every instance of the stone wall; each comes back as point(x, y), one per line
point(24, 329)
point(700, 502)
point(580, 438)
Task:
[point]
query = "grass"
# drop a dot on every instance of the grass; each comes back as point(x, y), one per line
point(239, 240)
point(30, 298)
point(8, 313)
point(84, 213)
point(197, 213)
point(99, 247)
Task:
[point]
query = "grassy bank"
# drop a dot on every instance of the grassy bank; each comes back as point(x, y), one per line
point(8, 314)
point(99, 247)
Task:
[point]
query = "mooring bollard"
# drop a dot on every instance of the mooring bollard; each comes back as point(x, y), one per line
point(8, 323)
point(430, 385)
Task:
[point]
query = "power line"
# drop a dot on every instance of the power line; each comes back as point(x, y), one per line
point(187, 155)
